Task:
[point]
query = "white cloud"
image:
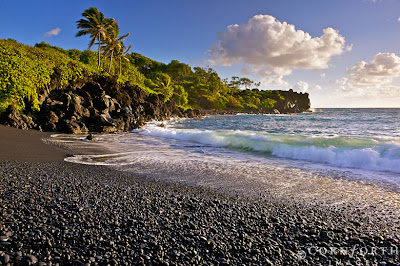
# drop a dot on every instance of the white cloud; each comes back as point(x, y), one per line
point(378, 77)
point(349, 47)
point(342, 82)
point(274, 48)
point(53, 32)
point(398, 19)
point(303, 86)
point(274, 81)
point(323, 75)
point(381, 70)
point(316, 87)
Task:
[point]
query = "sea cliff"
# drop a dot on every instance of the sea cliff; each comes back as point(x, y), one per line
point(49, 88)
point(102, 104)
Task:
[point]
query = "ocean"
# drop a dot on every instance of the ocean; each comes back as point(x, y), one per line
point(327, 155)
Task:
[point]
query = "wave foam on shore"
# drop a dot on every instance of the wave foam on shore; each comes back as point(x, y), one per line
point(342, 151)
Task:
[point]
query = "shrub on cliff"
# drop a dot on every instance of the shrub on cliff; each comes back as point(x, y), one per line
point(25, 69)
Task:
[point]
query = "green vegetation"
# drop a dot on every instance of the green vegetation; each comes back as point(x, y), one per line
point(24, 70)
point(106, 32)
point(202, 88)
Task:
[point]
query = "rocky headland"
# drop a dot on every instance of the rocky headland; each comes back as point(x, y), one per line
point(102, 104)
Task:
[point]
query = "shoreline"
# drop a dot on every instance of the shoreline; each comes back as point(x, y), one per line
point(67, 213)
point(271, 182)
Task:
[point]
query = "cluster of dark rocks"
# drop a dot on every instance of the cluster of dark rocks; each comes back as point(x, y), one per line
point(12, 118)
point(70, 214)
point(102, 104)
point(95, 104)
point(294, 102)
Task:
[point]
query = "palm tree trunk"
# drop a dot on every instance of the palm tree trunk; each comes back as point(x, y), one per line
point(98, 64)
point(109, 70)
point(119, 66)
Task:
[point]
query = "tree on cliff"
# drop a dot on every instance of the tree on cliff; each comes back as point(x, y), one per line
point(162, 84)
point(113, 44)
point(94, 25)
point(121, 54)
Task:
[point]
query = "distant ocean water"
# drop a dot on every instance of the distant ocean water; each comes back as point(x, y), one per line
point(347, 144)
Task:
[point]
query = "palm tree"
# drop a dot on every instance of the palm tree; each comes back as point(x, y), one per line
point(112, 44)
point(163, 84)
point(121, 53)
point(94, 25)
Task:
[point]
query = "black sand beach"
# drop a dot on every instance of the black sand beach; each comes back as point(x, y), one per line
point(54, 212)
point(27, 146)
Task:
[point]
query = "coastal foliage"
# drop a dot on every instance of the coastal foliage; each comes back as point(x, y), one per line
point(202, 88)
point(24, 70)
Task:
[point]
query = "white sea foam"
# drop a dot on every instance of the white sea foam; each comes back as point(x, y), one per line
point(341, 151)
point(311, 156)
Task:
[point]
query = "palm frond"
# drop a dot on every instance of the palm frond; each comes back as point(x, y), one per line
point(92, 42)
point(123, 37)
point(82, 32)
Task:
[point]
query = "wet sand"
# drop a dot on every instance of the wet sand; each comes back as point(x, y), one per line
point(27, 146)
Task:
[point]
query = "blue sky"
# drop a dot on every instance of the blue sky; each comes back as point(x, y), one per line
point(344, 53)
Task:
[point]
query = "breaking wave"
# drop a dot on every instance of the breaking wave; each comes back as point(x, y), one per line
point(380, 154)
